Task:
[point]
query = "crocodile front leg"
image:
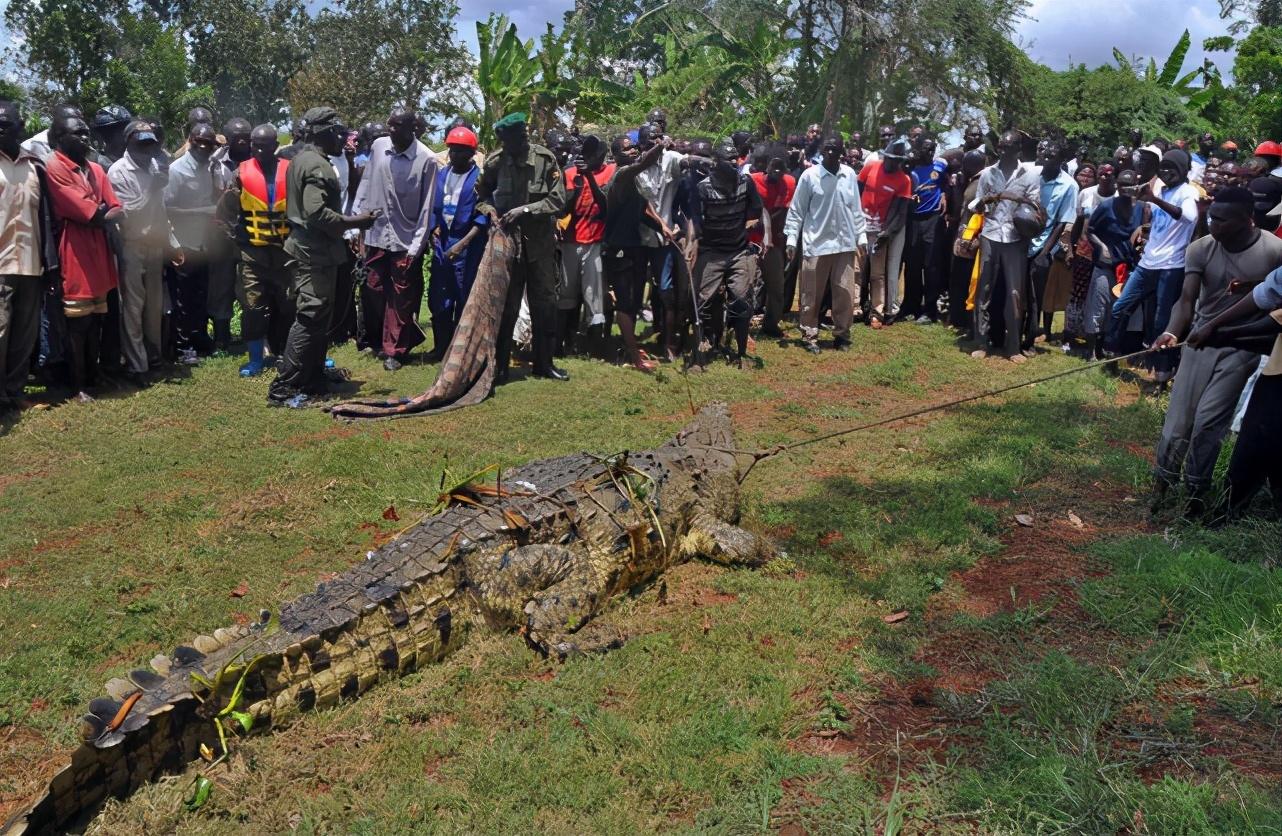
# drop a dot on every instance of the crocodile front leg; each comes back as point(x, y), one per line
point(720, 542)
point(546, 591)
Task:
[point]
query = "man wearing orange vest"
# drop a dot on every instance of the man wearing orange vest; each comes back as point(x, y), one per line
point(254, 205)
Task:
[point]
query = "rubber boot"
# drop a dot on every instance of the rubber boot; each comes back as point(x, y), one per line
point(222, 335)
point(567, 332)
point(503, 359)
point(255, 364)
point(595, 342)
point(544, 346)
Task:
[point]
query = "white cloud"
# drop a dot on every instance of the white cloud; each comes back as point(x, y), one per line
point(1060, 32)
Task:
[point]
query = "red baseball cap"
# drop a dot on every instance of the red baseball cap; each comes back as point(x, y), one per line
point(1268, 148)
point(464, 136)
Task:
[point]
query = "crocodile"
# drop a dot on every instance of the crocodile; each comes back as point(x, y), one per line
point(542, 553)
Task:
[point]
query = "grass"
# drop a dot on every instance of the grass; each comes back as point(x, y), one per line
point(1099, 666)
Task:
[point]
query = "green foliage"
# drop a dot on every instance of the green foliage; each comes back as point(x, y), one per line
point(246, 51)
point(1257, 71)
point(1101, 105)
point(372, 55)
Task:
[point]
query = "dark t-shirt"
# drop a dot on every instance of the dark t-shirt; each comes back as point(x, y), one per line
point(1116, 232)
point(723, 216)
point(625, 207)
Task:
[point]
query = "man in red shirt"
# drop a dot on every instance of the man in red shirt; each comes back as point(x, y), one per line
point(85, 204)
point(581, 244)
point(776, 187)
point(887, 192)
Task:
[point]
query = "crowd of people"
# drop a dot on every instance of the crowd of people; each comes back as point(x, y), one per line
point(119, 256)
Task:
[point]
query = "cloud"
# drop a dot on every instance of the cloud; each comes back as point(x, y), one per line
point(1085, 31)
point(531, 19)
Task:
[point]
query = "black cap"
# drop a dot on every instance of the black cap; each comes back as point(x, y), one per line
point(111, 116)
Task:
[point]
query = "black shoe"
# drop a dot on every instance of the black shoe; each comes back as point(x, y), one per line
point(813, 348)
point(502, 375)
point(436, 355)
point(841, 345)
point(391, 364)
point(544, 345)
point(551, 372)
point(772, 332)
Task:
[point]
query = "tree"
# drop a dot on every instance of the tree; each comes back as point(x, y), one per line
point(1257, 72)
point(63, 42)
point(376, 54)
point(247, 51)
point(148, 73)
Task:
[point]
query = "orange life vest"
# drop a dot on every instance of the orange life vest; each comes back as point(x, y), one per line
point(264, 224)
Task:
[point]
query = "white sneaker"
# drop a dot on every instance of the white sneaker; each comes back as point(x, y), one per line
point(188, 357)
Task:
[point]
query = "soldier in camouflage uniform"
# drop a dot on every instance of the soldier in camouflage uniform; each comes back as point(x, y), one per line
point(522, 190)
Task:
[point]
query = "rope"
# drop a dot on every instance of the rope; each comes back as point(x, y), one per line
point(762, 455)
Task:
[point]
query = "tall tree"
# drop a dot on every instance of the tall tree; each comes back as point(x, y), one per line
point(247, 51)
point(376, 54)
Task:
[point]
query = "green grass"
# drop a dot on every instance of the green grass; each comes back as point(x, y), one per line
point(127, 524)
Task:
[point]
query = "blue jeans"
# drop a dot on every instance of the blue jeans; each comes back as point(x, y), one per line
point(1162, 286)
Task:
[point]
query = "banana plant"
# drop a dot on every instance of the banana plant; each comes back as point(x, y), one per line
point(1169, 76)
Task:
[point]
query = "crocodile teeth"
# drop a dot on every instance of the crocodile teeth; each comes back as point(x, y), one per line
point(206, 644)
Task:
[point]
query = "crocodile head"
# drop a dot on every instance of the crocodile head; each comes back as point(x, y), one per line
point(705, 449)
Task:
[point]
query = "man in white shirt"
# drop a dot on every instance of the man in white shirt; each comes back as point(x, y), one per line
point(658, 185)
point(1003, 188)
point(1160, 273)
point(827, 217)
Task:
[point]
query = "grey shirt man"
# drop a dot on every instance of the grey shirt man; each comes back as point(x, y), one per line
point(140, 189)
point(191, 186)
point(402, 184)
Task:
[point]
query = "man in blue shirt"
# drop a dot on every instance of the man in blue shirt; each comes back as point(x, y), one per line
point(922, 275)
point(1059, 203)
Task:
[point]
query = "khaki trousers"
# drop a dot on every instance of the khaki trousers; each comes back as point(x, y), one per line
point(841, 270)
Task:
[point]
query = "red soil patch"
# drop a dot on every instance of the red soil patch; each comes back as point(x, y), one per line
point(904, 724)
point(28, 761)
point(1140, 732)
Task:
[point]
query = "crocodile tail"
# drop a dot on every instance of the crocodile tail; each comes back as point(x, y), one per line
point(382, 618)
point(467, 369)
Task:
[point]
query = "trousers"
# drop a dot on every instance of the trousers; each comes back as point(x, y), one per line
point(303, 362)
point(265, 284)
point(583, 280)
point(1203, 398)
point(819, 273)
point(884, 262)
point(189, 293)
point(142, 297)
point(1257, 457)
point(20, 298)
point(1005, 265)
point(397, 284)
point(922, 285)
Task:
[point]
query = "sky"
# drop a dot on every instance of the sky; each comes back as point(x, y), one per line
point(1056, 32)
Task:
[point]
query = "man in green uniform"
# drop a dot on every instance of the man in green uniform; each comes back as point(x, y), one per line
point(523, 191)
point(313, 208)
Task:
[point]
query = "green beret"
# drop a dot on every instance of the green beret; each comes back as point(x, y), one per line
point(509, 121)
